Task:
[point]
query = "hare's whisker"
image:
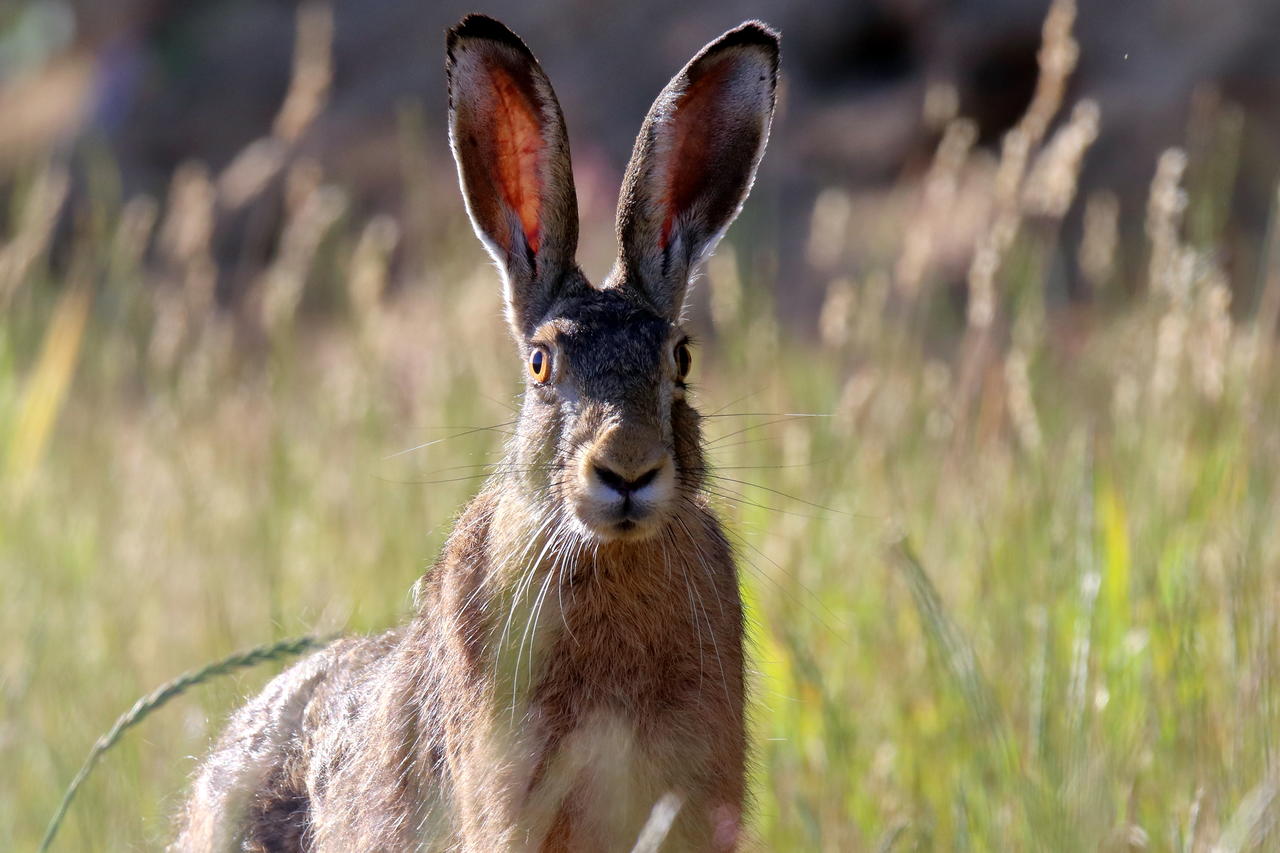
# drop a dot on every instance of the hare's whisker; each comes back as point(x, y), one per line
point(780, 420)
point(498, 428)
point(722, 447)
point(722, 478)
point(705, 469)
point(439, 482)
point(710, 576)
point(498, 470)
point(702, 563)
point(501, 463)
point(553, 545)
point(515, 410)
point(525, 575)
point(741, 539)
point(531, 623)
point(737, 498)
point(783, 415)
point(738, 400)
point(668, 535)
point(462, 427)
point(560, 585)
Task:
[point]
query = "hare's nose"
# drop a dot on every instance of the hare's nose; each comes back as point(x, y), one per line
point(621, 484)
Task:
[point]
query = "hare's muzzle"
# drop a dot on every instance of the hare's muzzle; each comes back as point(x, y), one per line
point(624, 486)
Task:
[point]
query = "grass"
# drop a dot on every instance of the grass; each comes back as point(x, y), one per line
point(161, 696)
point(1016, 589)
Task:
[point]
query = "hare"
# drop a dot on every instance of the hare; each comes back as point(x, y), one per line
point(577, 652)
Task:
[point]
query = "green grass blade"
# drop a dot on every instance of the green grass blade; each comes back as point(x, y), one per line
point(161, 696)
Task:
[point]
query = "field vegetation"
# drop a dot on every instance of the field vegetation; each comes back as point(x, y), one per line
point(1013, 567)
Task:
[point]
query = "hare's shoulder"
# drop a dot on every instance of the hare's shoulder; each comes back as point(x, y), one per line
point(271, 723)
point(252, 785)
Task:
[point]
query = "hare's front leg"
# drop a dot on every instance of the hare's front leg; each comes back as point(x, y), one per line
point(492, 766)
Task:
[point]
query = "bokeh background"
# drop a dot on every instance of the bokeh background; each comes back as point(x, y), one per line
point(991, 352)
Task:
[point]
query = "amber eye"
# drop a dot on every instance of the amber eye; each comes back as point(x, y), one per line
point(540, 364)
point(684, 360)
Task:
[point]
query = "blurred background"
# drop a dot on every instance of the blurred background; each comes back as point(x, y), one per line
point(991, 350)
point(870, 85)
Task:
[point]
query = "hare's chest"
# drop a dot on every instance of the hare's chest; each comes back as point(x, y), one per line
point(606, 779)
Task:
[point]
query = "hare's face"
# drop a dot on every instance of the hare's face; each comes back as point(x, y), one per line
point(606, 429)
point(606, 433)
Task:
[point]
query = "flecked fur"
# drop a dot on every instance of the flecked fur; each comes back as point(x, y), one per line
point(576, 654)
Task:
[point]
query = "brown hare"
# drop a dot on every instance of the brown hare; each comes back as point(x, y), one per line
point(577, 652)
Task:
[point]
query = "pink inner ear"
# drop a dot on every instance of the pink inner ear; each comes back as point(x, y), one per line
point(693, 129)
point(517, 144)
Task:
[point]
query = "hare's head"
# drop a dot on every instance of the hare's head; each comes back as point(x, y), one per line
point(606, 432)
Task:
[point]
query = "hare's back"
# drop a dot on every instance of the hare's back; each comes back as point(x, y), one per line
point(251, 792)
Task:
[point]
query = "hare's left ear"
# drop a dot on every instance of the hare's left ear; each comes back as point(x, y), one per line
point(509, 141)
point(693, 163)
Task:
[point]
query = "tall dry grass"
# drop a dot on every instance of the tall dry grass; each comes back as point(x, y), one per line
point(1016, 589)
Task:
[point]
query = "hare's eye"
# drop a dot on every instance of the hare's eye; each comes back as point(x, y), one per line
point(540, 364)
point(684, 360)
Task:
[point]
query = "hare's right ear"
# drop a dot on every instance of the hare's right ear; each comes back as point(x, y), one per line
point(693, 163)
point(508, 138)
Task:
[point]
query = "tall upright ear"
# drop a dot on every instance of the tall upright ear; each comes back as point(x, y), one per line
point(509, 141)
point(694, 161)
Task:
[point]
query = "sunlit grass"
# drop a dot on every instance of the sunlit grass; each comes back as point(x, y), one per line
point(1012, 577)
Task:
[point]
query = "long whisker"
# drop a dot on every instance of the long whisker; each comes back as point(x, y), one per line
point(738, 400)
point(788, 415)
point(531, 624)
point(781, 420)
point(668, 535)
point(722, 447)
point(498, 428)
point(479, 475)
point(742, 540)
point(438, 482)
point(502, 461)
point(579, 547)
point(515, 410)
point(702, 558)
point(722, 478)
point(737, 498)
point(704, 469)
point(706, 570)
point(554, 544)
point(525, 578)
